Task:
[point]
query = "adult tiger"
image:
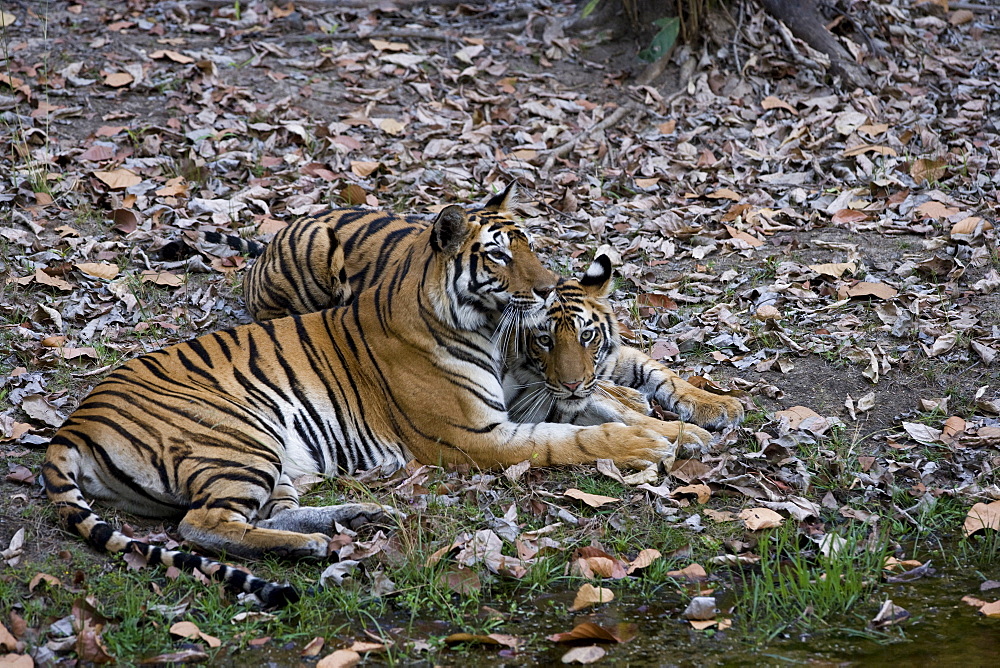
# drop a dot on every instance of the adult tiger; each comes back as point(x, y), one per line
point(215, 429)
point(319, 261)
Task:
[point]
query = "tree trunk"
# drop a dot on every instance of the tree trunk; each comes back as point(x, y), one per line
point(805, 22)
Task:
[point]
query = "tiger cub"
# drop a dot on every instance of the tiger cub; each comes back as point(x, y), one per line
point(572, 367)
point(214, 430)
point(318, 262)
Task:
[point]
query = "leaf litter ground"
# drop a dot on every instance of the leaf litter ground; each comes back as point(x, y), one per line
point(829, 256)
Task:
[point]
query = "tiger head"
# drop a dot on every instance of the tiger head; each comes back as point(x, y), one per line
point(488, 268)
point(577, 344)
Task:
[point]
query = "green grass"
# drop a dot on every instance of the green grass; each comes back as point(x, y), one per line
point(797, 587)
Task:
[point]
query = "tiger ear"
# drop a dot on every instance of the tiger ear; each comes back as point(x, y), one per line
point(450, 229)
point(504, 201)
point(597, 279)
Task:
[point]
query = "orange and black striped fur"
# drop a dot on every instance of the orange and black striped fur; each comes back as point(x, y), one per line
point(214, 430)
point(319, 261)
point(572, 367)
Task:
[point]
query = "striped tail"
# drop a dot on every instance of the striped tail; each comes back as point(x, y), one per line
point(238, 244)
point(77, 515)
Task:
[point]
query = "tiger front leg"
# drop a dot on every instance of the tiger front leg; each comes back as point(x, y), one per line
point(636, 369)
point(551, 444)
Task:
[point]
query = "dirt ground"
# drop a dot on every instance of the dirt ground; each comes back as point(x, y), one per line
point(777, 236)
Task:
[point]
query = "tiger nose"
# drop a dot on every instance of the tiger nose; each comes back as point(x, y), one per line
point(572, 386)
point(544, 290)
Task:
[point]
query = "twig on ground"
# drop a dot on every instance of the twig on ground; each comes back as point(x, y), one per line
point(565, 148)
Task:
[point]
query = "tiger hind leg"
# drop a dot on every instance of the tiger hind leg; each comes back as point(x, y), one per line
point(283, 513)
point(323, 519)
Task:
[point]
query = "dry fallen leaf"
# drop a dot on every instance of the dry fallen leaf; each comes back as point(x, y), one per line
point(761, 518)
point(982, 516)
point(702, 492)
point(584, 655)
point(119, 178)
point(161, 278)
point(98, 269)
point(585, 631)
point(592, 500)
point(118, 79)
point(796, 414)
point(589, 595)
point(342, 658)
point(191, 631)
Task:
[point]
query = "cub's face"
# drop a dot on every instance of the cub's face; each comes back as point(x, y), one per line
point(577, 343)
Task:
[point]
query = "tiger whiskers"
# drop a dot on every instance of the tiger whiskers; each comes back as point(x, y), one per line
point(529, 403)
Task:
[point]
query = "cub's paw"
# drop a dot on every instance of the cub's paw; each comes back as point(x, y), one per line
point(715, 411)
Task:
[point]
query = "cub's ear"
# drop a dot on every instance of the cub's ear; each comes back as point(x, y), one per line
point(505, 201)
point(597, 279)
point(451, 227)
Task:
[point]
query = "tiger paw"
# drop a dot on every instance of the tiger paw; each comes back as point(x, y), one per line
point(642, 446)
point(714, 411)
point(355, 515)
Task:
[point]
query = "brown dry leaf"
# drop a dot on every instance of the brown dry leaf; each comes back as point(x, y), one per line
point(363, 647)
point(161, 278)
point(90, 646)
point(7, 19)
point(342, 658)
point(866, 289)
point(53, 281)
point(7, 641)
point(953, 428)
point(925, 169)
point(118, 79)
point(589, 595)
point(119, 178)
point(491, 639)
point(98, 269)
point(724, 193)
point(751, 240)
point(835, 269)
point(191, 631)
point(866, 148)
point(767, 312)
point(50, 580)
point(644, 559)
point(584, 655)
point(172, 55)
point(592, 500)
point(391, 126)
point(692, 573)
point(796, 414)
point(991, 609)
point(314, 647)
point(585, 631)
point(702, 492)
point(667, 127)
point(383, 45)
point(462, 581)
point(656, 300)
point(362, 168)
point(702, 624)
point(175, 187)
point(982, 516)
point(771, 102)
point(934, 209)
point(719, 515)
point(761, 518)
point(849, 216)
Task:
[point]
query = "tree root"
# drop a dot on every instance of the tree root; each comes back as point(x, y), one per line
point(803, 19)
